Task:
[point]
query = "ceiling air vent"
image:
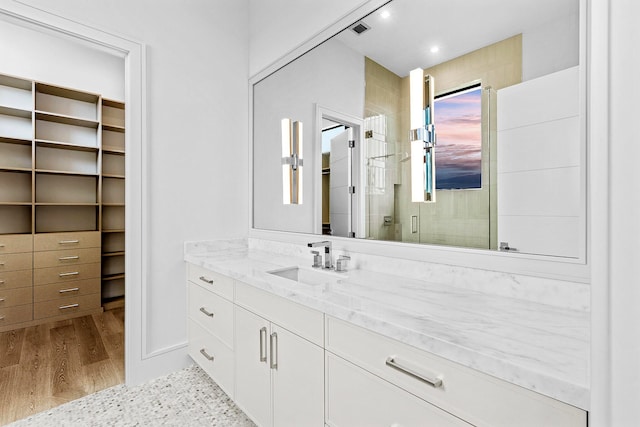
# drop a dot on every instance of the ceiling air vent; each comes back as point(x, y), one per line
point(359, 28)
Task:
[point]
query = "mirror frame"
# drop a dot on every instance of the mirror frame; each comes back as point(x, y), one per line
point(544, 266)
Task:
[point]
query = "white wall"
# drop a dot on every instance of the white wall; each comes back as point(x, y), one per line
point(197, 71)
point(48, 58)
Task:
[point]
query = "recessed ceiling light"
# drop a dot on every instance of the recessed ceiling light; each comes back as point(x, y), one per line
point(435, 49)
point(385, 14)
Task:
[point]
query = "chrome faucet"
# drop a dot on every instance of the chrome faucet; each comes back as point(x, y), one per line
point(328, 260)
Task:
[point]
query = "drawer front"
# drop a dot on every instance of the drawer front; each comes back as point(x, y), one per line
point(475, 397)
point(43, 276)
point(14, 262)
point(19, 314)
point(212, 355)
point(356, 398)
point(13, 243)
point(59, 291)
point(65, 257)
point(16, 279)
point(69, 305)
point(221, 285)
point(72, 240)
point(301, 320)
point(213, 312)
point(13, 297)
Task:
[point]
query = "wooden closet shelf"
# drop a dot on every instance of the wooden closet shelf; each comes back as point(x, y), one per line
point(9, 140)
point(109, 277)
point(112, 150)
point(12, 169)
point(59, 172)
point(64, 92)
point(15, 112)
point(113, 230)
point(108, 175)
point(65, 204)
point(110, 254)
point(66, 120)
point(113, 128)
point(64, 145)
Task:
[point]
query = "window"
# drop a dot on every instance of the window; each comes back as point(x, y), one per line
point(459, 144)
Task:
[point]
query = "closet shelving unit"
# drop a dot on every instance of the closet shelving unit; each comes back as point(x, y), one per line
point(61, 202)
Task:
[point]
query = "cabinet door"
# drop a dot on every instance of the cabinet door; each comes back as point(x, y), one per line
point(297, 380)
point(253, 376)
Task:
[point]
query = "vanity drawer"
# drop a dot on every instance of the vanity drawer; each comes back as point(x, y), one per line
point(212, 355)
point(16, 279)
point(221, 285)
point(475, 397)
point(18, 314)
point(214, 313)
point(14, 243)
point(67, 305)
point(301, 320)
point(43, 276)
point(13, 262)
point(355, 397)
point(58, 291)
point(13, 297)
point(72, 240)
point(66, 257)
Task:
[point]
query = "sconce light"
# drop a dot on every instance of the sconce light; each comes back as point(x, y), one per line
point(422, 137)
point(291, 162)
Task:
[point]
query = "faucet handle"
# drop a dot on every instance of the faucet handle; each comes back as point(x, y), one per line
point(317, 259)
point(341, 263)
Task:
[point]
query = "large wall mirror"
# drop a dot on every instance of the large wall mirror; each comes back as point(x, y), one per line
point(500, 165)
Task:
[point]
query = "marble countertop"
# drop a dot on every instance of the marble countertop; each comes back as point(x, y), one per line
point(537, 346)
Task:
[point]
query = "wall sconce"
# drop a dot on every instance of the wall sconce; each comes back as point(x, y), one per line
point(422, 137)
point(291, 162)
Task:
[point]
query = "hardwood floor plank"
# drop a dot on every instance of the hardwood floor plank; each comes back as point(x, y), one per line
point(119, 314)
point(101, 375)
point(11, 347)
point(90, 342)
point(66, 370)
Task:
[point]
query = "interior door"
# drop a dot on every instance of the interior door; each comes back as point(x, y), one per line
point(340, 199)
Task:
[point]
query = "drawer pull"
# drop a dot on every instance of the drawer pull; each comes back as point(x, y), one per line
point(274, 351)
point(204, 310)
point(64, 291)
point(2, 263)
point(73, 273)
point(68, 242)
point(204, 279)
point(1, 317)
point(66, 258)
point(2, 300)
point(205, 354)
point(64, 307)
point(2, 245)
point(434, 382)
point(263, 344)
point(1, 282)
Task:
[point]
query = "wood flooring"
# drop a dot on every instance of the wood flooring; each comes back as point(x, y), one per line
point(50, 364)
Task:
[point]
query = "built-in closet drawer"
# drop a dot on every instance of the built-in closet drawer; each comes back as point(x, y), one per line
point(213, 312)
point(301, 320)
point(14, 297)
point(71, 240)
point(59, 291)
point(43, 276)
point(18, 314)
point(65, 257)
point(357, 398)
point(66, 306)
point(14, 243)
point(472, 396)
point(212, 355)
point(215, 282)
point(15, 279)
point(14, 262)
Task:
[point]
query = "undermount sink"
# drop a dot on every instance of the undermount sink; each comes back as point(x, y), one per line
point(307, 276)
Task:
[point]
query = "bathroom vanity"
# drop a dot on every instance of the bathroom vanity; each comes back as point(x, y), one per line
point(294, 345)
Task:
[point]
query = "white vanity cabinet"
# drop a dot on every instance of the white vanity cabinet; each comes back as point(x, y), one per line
point(279, 373)
point(378, 372)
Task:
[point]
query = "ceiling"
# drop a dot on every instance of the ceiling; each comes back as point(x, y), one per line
point(403, 41)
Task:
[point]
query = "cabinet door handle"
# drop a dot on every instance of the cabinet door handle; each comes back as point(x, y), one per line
point(1, 282)
point(73, 273)
point(205, 354)
point(274, 350)
point(63, 307)
point(2, 245)
point(263, 344)
point(66, 258)
point(2, 263)
point(204, 279)
point(1, 317)
point(2, 300)
point(432, 381)
point(68, 242)
point(64, 291)
point(204, 310)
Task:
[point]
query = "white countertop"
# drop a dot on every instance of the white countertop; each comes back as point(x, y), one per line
point(540, 347)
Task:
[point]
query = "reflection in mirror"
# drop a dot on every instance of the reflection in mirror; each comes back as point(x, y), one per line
point(292, 162)
point(508, 169)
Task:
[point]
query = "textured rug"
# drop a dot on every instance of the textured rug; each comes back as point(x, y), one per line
point(184, 398)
